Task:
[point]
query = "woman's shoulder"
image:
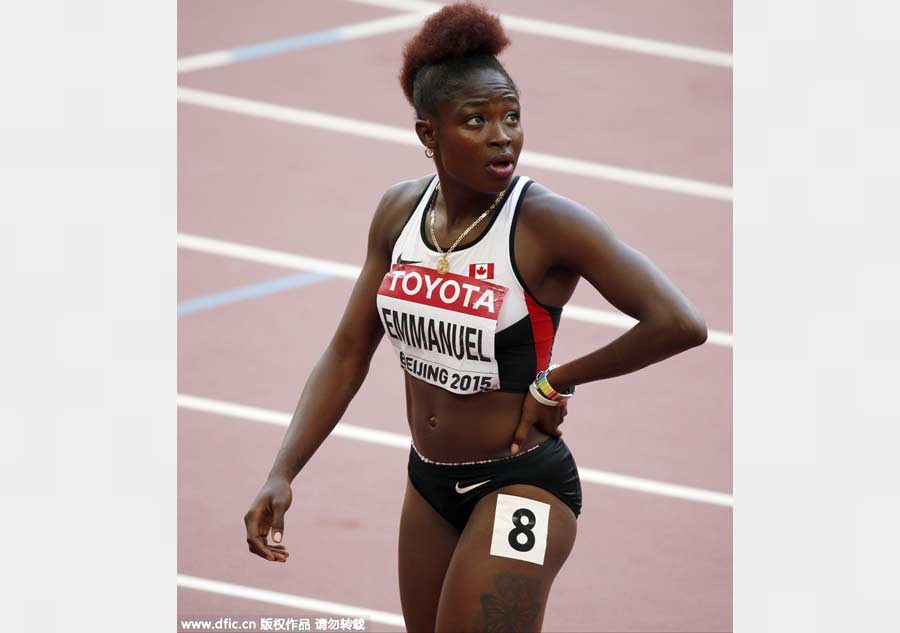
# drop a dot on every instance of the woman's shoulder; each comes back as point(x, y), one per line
point(559, 230)
point(545, 210)
point(397, 203)
point(400, 198)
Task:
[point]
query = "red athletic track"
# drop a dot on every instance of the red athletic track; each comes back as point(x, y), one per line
point(642, 562)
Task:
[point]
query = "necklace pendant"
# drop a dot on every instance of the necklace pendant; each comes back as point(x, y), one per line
point(442, 265)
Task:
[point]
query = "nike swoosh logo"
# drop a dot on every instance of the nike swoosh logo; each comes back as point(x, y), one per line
point(400, 260)
point(468, 488)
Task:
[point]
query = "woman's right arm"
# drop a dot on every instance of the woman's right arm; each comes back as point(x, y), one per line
point(333, 382)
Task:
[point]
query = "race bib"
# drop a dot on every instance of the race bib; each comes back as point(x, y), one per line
point(520, 528)
point(442, 326)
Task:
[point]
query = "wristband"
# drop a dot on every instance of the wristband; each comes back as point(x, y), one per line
point(544, 393)
point(534, 391)
point(543, 383)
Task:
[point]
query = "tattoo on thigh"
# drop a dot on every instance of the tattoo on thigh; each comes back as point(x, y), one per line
point(514, 606)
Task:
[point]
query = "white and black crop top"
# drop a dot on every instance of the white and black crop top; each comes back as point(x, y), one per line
point(476, 327)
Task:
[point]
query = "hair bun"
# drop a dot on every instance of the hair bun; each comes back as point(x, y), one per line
point(457, 30)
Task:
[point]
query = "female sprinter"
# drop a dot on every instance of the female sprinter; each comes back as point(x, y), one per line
point(467, 271)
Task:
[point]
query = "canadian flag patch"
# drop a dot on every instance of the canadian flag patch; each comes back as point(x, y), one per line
point(481, 271)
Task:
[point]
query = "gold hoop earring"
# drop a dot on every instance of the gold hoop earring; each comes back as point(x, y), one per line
point(427, 154)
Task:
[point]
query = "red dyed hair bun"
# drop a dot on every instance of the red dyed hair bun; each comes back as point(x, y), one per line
point(457, 30)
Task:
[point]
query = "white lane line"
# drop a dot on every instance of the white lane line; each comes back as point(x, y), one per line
point(270, 257)
point(301, 603)
point(399, 440)
point(592, 37)
point(357, 127)
point(346, 33)
point(265, 256)
point(203, 61)
point(625, 322)
point(624, 175)
point(279, 418)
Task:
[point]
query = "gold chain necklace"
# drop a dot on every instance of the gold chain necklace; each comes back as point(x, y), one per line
point(443, 265)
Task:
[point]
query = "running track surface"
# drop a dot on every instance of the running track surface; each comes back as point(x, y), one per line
point(252, 324)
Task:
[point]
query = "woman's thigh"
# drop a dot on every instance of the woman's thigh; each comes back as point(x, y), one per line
point(505, 562)
point(426, 545)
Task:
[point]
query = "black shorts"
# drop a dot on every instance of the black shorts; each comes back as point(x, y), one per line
point(453, 490)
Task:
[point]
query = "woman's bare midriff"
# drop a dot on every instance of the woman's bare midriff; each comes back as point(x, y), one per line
point(447, 427)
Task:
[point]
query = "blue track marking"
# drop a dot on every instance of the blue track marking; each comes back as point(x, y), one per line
point(253, 291)
point(215, 59)
point(295, 43)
